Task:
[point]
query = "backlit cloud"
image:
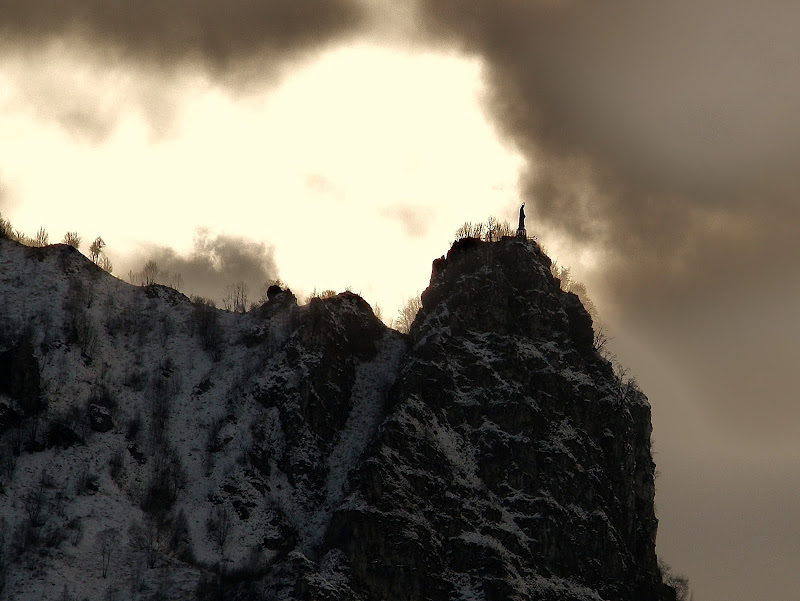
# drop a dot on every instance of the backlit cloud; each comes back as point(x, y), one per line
point(215, 262)
point(414, 219)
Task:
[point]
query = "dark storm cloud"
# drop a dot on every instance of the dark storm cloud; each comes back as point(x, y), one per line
point(214, 263)
point(83, 64)
point(218, 34)
point(646, 125)
point(663, 134)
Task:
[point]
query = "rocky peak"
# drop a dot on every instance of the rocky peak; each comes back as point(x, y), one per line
point(510, 466)
point(503, 288)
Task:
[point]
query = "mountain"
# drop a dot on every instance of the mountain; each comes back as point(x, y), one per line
point(156, 448)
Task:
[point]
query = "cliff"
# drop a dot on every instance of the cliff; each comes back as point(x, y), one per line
point(155, 448)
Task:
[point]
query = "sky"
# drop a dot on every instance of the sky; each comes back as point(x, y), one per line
point(340, 145)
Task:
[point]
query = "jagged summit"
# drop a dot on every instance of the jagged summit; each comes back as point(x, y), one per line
point(504, 288)
point(309, 452)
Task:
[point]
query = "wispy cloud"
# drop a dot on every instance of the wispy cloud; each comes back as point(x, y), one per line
point(414, 219)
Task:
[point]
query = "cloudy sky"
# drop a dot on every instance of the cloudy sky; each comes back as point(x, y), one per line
point(340, 144)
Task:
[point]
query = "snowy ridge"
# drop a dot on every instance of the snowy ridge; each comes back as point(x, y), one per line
point(308, 452)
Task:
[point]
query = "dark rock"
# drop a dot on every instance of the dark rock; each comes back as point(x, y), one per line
point(137, 454)
point(8, 418)
point(34, 446)
point(508, 466)
point(60, 435)
point(92, 484)
point(100, 418)
point(273, 291)
point(19, 377)
point(278, 300)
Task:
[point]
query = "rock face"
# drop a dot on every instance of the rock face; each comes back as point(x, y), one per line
point(310, 453)
point(509, 465)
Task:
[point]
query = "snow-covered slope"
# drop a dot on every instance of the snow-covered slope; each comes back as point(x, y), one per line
point(151, 447)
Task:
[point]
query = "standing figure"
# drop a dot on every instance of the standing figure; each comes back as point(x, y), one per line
point(521, 232)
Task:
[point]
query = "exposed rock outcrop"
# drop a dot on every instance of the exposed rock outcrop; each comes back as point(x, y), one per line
point(309, 452)
point(508, 467)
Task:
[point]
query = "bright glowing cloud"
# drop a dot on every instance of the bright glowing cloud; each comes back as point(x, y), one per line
point(321, 167)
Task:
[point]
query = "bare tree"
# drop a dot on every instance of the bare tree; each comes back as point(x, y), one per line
point(329, 293)
point(235, 298)
point(465, 231)
point(470, 230)
point(34, 502)
point(149, 273)
point(106, 264)
point(73, 239)
point(568, 284)
point(491, 228)
point(407, 313)
point(95, 249)
point(219, 525)
point(240, 291)
point(678, 582)
point(504, 229)
point(626, 384)
point(42, 238)
point(176, 281)
point(579, 289)
point(34, 505)
point(106, 541)
point(600, 341)
point(377, 312)
point(6, 228)
point(562, 275)
point(147, 539)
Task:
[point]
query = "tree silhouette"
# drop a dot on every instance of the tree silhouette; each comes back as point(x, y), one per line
point(73, 239)
point(149, 273)
point(407, 313)
point(42, 238)
point(106, 541)
point(95, 249)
